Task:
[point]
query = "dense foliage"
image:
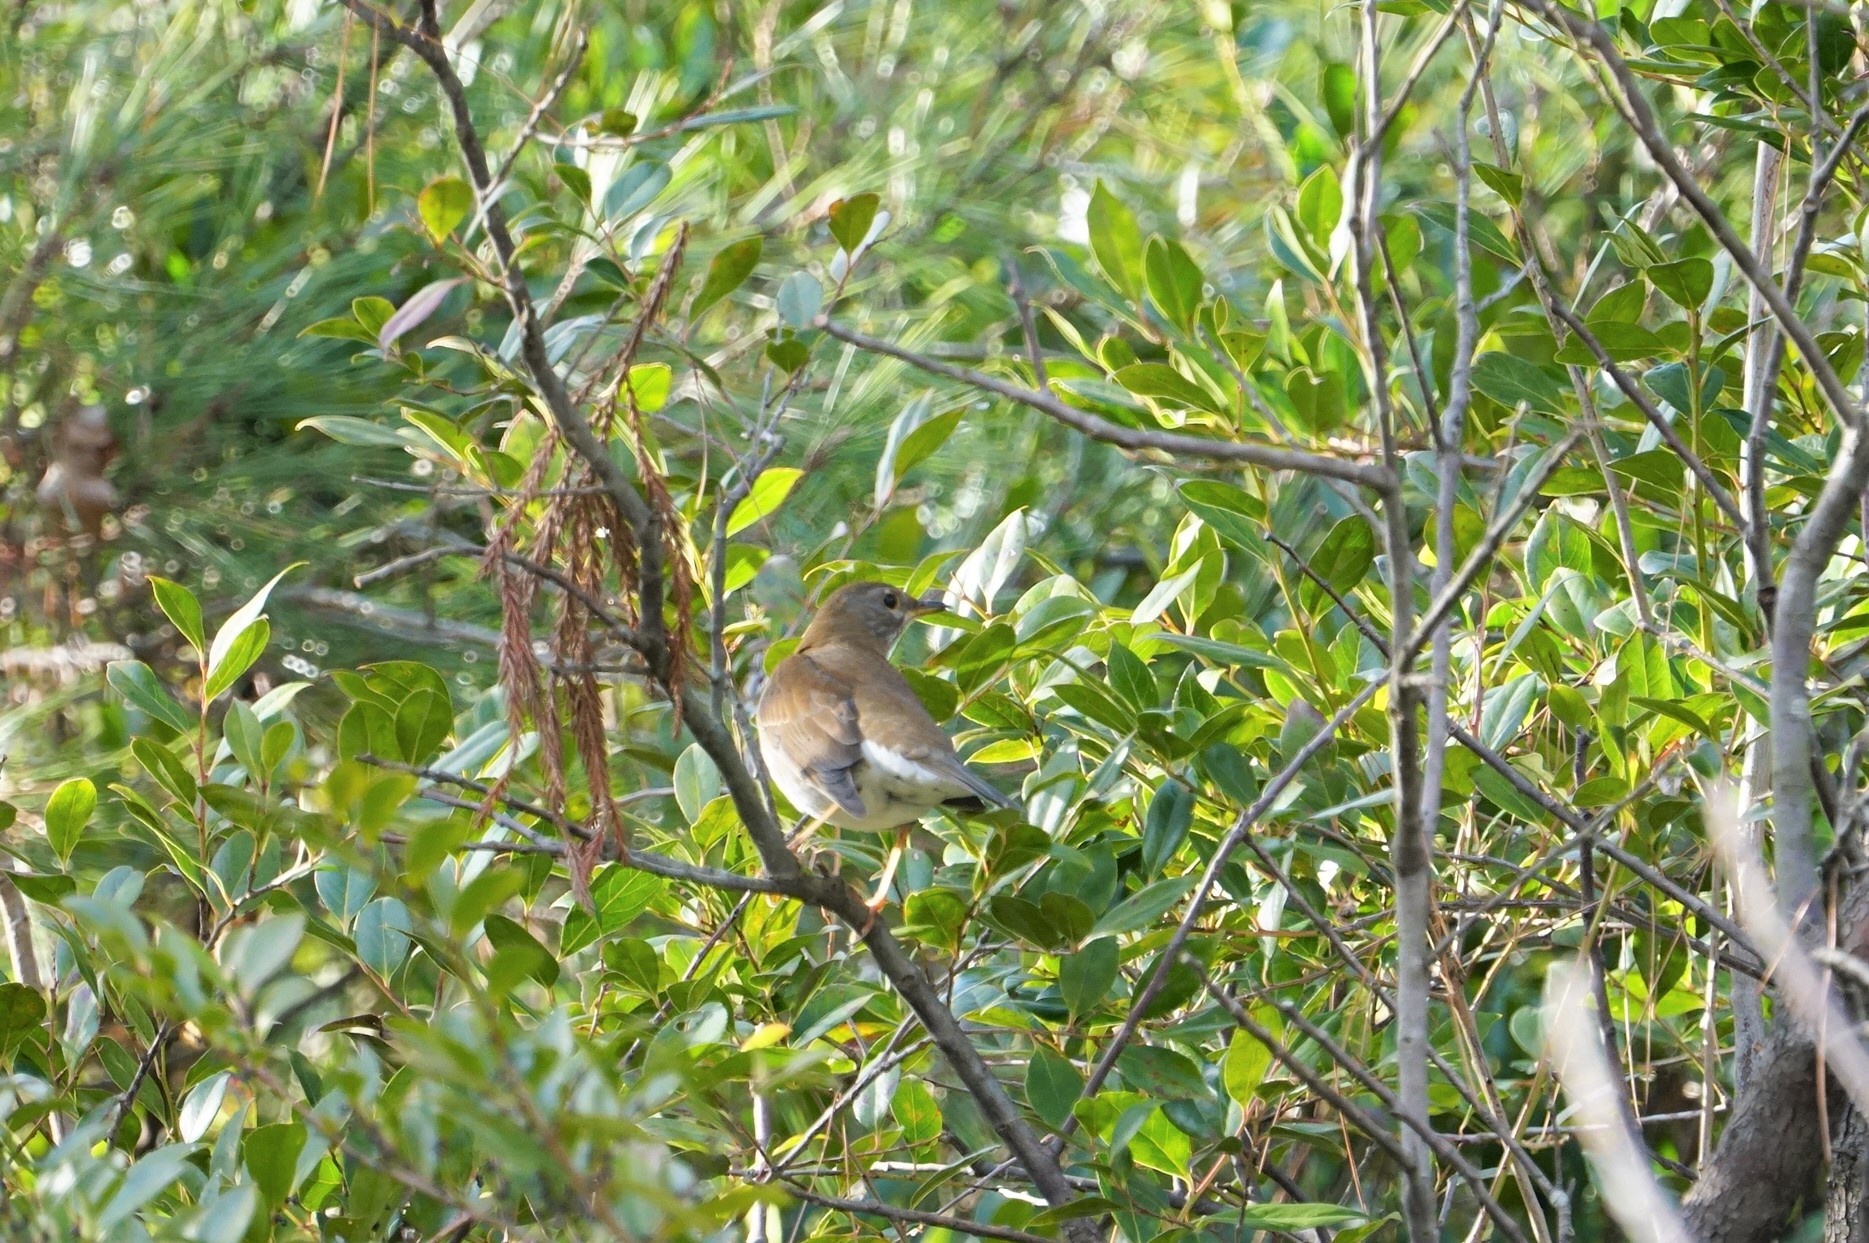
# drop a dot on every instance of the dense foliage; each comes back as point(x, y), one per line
point(1387, 467)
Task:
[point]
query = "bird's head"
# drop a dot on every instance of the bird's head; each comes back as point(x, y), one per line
point(868, 612)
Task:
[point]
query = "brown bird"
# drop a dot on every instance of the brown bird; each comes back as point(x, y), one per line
point(846, 738)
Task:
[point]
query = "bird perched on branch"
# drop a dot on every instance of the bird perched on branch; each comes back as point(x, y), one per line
point(845, 736)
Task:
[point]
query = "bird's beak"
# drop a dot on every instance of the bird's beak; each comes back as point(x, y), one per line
point(932, 603)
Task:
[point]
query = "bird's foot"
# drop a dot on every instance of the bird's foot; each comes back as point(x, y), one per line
point(875, 907)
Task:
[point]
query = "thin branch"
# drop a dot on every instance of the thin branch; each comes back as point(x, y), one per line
point(1135, 439)
point(914, 1216)
point(1757, 385)
point(1640, 400)
point(1356, 1115)
point(1633, 104)
point(569, 421)
point(1243, 826)
point(1488, 547)
point(640, 860)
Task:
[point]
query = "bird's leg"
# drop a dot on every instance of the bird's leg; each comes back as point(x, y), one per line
point(881, 895)
point(807, 826)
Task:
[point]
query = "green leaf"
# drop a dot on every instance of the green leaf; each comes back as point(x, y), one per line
point(851, 219)
point(343, 890)
point(422, 724)
point(1244, 1067)
point(1506, 184)
point(1481, 231)
point(575, 180)
point(147, 1177)
point(238, 657)
point(1115, 240)
point(353, 431)
point(256, 953)
point(202, 1106)
point(340, 328)
point(138, 683)
point(1345, 554)
point(372, 312)
point(1171, 811)
point(697, 782)
point(66, 813)
point(769, 492)
point(799, 300)
point(485, 893)
point(1670, 382)
point(232, 644)
point(789, 354)
point(916, 1111)
point(1234, 515)
point(920, 443)
point(1130, 678)
point(22, 1013)
point(635, 189)
point(381, 934)
point(618, 896)
point(1162, 1073)
point(242, 730)
point(443, 204)
point(179, 605)
point(271, 1156)
point(1623, 304)
point(1084, 978)
point(726, 273)
point(1164, 383)
point(517, 954)
point(1337, 86)
point(1174, 281)
point(1294, 1216)
point(47, 890)
point(1320, 205)
point(1319, 399)
point(1140, 908)
point(1052, 1086)
point(1684, 282)
point(1510, 381)
point(1621, 342)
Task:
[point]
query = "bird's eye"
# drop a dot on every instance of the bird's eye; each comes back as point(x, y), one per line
point(890, 599)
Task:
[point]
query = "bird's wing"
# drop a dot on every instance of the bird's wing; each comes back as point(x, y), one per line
point(899, 736)
point(809, 711)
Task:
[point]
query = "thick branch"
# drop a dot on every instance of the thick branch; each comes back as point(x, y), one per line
point(570, 422)
point(1794, 627)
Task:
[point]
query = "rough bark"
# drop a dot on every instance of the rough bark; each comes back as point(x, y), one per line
point(1846, 1194)
point(1771, 1152)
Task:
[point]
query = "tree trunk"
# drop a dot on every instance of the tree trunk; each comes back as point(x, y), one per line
point(1847, 1192)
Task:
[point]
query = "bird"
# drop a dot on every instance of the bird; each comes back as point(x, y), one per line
point(846, 738)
